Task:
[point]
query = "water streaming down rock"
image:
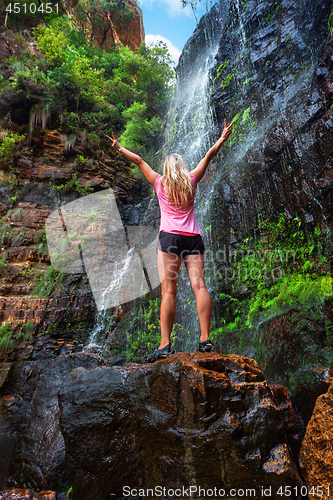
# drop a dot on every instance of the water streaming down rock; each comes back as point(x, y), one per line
point(98, 339)
point(191, 129)
point(271, 72)
point(276, 83)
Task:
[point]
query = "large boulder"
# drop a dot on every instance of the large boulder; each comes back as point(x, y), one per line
point(316, 455)
point(38, 460)
point(192, 419)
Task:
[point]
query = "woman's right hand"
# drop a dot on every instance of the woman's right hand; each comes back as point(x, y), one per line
point(227, 131)
point(115, 144)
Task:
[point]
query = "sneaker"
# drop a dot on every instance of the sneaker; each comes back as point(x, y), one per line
point(206, 346)
point(159, 354)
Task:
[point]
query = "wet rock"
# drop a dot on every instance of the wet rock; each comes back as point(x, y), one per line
point(7, 441)
point(5, 370)
point(38, 459)
point(307, 385)
point(316, 456)
point(191, 419)
point(293, 422)
point(20, 494)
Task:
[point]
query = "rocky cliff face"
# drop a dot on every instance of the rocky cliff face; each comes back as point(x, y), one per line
point(269, 66)
point(122, 22)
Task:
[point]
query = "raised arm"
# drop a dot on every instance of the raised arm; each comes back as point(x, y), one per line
point(200, 169)
point(148, 172)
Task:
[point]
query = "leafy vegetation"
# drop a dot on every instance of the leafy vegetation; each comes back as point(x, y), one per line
point(10, 150)
point(282, 268)
point(145, 334)
point(13, 337)
point(48, 282)
point(87, 90)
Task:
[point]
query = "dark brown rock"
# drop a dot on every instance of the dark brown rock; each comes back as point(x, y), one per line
point(192, 419)
point(38, 459)
point(292, 420)
point(310, 383)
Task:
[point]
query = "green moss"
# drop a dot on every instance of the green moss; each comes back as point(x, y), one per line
point(227, 80)
point(273, 271)
point(145, 334)
point(221, 68)
point(247, 81)
point(288, 292)
point(246, 115)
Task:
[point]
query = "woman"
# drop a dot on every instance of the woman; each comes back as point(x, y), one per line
point(179, 237)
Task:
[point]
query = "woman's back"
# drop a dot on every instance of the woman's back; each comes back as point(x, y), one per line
point(177, 218)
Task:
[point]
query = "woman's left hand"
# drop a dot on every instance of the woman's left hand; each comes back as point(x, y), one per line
point(115, 144)
point(227, 130)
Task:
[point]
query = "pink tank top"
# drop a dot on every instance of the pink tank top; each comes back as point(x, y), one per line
point(178, 220)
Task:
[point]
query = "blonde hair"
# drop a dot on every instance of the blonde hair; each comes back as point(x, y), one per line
point(177, 181)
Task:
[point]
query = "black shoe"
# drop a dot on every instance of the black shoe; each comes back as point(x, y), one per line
point(206, 346)
point(159, 354)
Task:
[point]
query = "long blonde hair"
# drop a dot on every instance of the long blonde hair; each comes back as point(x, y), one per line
point(177, 181)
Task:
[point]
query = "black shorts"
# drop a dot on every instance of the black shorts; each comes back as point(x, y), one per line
point(180, 244)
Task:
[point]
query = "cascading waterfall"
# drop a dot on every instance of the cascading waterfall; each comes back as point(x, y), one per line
point(97, 341)
point(194, 131)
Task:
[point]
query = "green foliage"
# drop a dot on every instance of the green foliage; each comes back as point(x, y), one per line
point(288, 292)
point(242, 126)
point(90, 90)
point(139, 129)
point(221, 68)
point(281, 269)
point(9, 338)
point(10, 145)
point(246, 115)
point(143, 338)
point(227, 80)
point(7, 341)
point(53, 42)
point(48, 282)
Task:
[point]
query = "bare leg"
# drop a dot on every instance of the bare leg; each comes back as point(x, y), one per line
point(168, 266)
point(196, 271)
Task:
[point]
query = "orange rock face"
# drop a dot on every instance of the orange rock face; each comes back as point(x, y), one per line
point(316, 455)
point(130, 34)
point(115, 25)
